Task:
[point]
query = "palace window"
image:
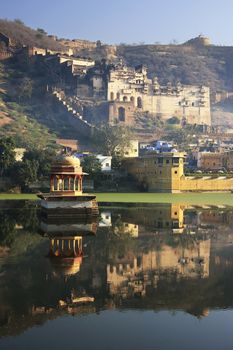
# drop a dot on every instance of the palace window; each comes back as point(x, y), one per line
point(160, 160)
point(139, 102)
point(121, 114)
point(175, 160)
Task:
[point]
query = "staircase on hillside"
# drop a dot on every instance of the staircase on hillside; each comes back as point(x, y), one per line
point(77, 120)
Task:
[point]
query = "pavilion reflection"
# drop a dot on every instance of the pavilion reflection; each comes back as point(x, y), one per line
point(66, 242)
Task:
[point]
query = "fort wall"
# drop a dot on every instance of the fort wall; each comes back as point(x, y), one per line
point(164, 172)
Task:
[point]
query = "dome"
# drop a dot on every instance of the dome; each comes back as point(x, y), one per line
point(67, 161)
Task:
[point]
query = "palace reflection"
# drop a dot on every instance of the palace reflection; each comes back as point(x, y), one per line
point(168, 256)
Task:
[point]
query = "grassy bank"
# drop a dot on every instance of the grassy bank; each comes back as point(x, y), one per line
point(191, 198)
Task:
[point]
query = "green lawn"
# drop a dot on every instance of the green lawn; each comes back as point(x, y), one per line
point(4, 196)
point(191, 198)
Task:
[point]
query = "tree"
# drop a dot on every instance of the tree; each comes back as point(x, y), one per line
point(41, 31)
point(7, 154)
point(26, 172)
point(44, 160)
point(111, 140)
point(91, 165)
point(173, 120)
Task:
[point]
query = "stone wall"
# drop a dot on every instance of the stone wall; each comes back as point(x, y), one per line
point(206, 183)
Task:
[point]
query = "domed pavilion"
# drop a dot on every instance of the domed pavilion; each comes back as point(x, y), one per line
point(66, 198)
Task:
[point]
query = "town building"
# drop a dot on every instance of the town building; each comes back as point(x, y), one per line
point(105, 162)
point(210, 160)
point(69, 145)
point(164, 172)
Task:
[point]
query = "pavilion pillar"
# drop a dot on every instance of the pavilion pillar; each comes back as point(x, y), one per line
point(81, 183)
point(74, 189)
point(62, 245)
point(74, 243)
point(51, 183)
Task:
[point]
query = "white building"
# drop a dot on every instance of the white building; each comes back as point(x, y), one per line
point(105, 161)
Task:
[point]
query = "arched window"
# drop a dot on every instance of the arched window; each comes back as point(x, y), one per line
point(118, 96)
point(121, 114)
point(132, 99)
point(139, 102)
point(66, 184)
point(125, 98)
point(72, 184)
point(112, 96)
point(55, 184)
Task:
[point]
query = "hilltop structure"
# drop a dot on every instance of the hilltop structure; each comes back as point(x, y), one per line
point(130, 90)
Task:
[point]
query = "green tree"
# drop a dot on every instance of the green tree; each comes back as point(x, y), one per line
point(173, 120)
point(27, 172)
point(44, 160)
point(92, 166)
point(111, 140)
point(7, 154)
point(41, 31)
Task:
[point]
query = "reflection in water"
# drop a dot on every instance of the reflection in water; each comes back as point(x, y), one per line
point(167, 256)
point(132, 275)
point(66, 253)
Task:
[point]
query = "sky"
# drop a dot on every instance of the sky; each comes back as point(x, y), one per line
point(127, 21)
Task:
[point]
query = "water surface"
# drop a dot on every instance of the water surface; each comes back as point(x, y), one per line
point(155, 277)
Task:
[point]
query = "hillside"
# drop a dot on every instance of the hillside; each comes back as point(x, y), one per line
point(26, 112)
point(21, 35)
point(26, 105)
point(189, 64)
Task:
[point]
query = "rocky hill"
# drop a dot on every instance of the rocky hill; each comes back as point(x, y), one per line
point(21, 35)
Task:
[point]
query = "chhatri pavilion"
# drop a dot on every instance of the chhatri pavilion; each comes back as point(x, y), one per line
point(66, 198)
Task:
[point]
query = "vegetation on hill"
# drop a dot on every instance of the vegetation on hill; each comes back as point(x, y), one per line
point(27, 112)
point(21, 35)
point(25, 104)
point(207, 65)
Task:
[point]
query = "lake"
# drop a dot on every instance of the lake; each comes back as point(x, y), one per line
point(155, 277)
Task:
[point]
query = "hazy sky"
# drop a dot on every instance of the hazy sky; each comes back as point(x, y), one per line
point(129, 21)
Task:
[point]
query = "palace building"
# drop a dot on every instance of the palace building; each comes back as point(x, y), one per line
point(129, 90)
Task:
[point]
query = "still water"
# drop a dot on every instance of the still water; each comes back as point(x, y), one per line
point(159, 277)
